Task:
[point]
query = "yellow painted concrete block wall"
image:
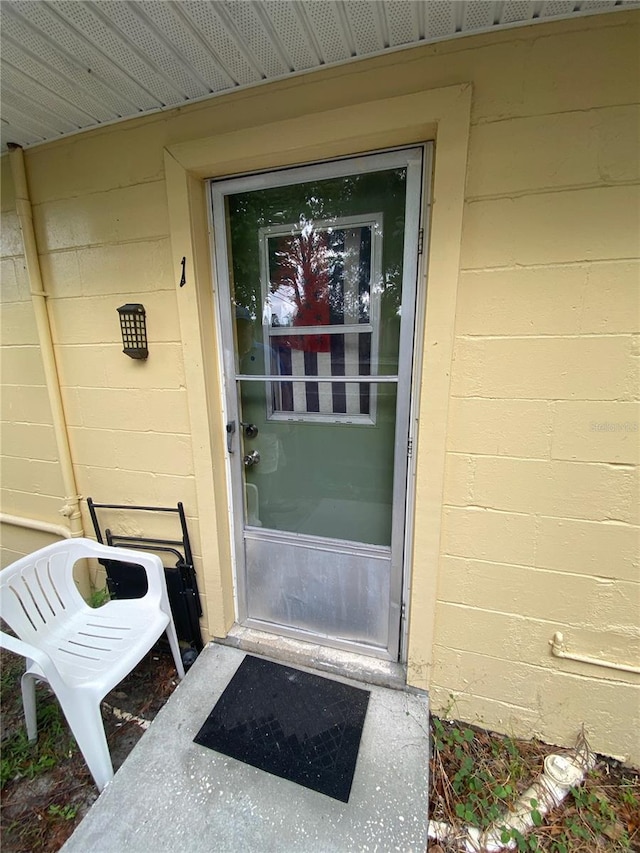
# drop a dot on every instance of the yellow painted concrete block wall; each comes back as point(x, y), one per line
point(128, 424)
point(29, 472)
point(540, 506)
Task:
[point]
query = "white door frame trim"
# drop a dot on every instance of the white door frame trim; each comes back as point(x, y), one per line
point(442, 115)
point(412, 159)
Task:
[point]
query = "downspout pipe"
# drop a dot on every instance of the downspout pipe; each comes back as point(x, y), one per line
point(71, 508)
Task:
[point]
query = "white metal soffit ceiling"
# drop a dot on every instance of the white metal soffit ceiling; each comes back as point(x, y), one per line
point(70, 65)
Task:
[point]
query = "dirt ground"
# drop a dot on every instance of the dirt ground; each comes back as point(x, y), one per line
point(47, 788)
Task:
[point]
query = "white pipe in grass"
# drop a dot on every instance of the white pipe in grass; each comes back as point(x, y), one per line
point(561, 773)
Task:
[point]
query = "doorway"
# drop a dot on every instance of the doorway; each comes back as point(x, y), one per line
point(316, 271)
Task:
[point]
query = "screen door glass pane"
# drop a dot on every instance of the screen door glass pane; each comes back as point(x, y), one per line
point(316, 277)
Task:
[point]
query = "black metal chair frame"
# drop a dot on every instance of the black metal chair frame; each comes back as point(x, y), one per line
point(127, 580)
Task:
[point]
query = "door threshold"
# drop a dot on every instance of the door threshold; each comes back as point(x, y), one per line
point(382, 673)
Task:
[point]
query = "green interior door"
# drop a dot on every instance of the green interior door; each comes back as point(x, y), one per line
point(317, 296)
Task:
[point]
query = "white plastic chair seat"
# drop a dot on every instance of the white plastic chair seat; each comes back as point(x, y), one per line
point(80, 651)
point(94, 648)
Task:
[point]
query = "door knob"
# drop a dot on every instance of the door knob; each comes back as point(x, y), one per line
point(251, 459)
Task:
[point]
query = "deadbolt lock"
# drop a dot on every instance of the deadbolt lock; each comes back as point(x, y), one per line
point(250, 430)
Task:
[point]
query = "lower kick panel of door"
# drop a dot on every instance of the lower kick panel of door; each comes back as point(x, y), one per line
point(325, 587)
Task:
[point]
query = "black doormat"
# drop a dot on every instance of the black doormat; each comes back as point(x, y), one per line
point(296, 725)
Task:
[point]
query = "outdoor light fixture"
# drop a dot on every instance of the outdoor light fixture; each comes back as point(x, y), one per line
point(134, 330)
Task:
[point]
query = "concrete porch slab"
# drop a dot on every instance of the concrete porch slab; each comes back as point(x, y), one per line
point(171, 794)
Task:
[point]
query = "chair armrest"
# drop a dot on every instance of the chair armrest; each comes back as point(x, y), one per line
point(151, 563)
point(38, 656)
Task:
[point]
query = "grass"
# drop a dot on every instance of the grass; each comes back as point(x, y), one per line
point(36, 799)
point(19, 757)
point(477, 777)
point(23, 759)
point(46, 786)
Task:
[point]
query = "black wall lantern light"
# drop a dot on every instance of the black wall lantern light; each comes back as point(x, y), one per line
point(133, 325)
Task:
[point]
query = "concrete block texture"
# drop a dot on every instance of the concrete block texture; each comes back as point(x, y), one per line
point(484, 534)
point(10, 237)
point(117, 216)
point(549, 84)
point(521, 428)
point(137, 487)
point(572, 299)
point(564, 489)
point(161, 410)
point(604, 549)
point(155, 452)
point(528, 701)
point(35, 475)
point(601, 549)
point(596, 432)
point(28, 440)
point(95, 320)
point(539, 509)
point(119, 270)
point(586, 224)
point(546, 368)
point(106, 366)
point(17, 325)
point(21, 366)
point(126, 159)
point(30, 504)
point(13, 277)
point(481, 590)
point(521, 155)
point(26, 404)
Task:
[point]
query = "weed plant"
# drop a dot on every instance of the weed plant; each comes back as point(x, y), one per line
point(477, 777)
point(21, 758)
point(99, 597)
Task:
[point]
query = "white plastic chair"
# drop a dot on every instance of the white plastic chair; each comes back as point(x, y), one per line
point(80, 651)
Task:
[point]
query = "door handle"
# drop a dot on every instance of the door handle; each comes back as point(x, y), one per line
point(251, 459)
point(231, 428)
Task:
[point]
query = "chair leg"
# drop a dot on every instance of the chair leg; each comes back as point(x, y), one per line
point(28, 685)
point(85, 721)
point(175, 648)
